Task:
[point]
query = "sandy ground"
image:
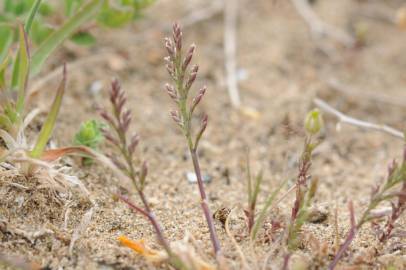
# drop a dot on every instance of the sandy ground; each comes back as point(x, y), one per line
point(282, 70)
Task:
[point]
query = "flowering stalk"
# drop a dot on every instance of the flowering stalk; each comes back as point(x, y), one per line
point(183, 78)
point(396, 177)
point(304, 192)
point(119, 122)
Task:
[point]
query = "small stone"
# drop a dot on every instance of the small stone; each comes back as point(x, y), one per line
point(95, 88)
point(191, 177)
point(222, 215)
point(242, 74)
point(317, 215)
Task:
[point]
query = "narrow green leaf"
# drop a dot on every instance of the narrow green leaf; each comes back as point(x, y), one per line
point(10, 112)
point(5, 122)
point(57, 37)
point(265, 209)
point(3, 67)
point(31, 16)
point(6, 39)
point(48, 127)
point(257, 188)
point(40, 31)
point(71, 6)
point(23, 70)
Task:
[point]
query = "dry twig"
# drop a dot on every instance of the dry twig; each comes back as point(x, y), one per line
point(230, 48)
point(356, 122)
point(234, 241)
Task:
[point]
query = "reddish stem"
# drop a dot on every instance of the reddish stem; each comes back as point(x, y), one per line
point(151, 217)
point(203, 203)
point(348, 240)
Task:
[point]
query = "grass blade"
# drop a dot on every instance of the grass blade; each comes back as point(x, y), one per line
point(264, 210)
point(3, 67)
point(22, 70)
point(49, 124)
point(31, 16)
point(6, 40)
point(258, 181)
point(57, 37)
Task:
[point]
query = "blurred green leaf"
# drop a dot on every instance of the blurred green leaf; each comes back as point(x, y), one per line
point(71, 6)
point(10, 112)
point(48, 127)
point(84, 39)
point(6, 39)
point(31, 16)
point(5, 122)
point(23, 69)
point(45, 9)
point(40, 31)
point(8, 5)
point(115, 17)
point(64, 32)
point(3, 67)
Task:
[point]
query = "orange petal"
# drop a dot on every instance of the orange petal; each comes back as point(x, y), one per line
point(137, 246)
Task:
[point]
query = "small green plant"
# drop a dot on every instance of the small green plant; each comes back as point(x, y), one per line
point(90, 135)
point(393, 190)
point(304, 192)
point(183, 78)
point(254, 223)
point(253, 189)
point(258, 221)
point(26, 156)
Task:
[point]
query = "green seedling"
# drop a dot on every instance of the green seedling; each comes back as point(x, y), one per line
point(269, 202)
point(90, 135)
point(304, 192)
point(253, 191)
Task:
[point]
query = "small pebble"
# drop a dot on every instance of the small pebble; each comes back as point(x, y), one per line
point(95, 88)
point(191, 177)
point(318, 215)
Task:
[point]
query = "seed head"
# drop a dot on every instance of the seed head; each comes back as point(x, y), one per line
point(192, 77)
point(198, 97)
point(177, 37)
point(135, 139)
point(171, 92)
point(169, 47)
point(203, 124)
point(188, 57)
point(176, 117)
